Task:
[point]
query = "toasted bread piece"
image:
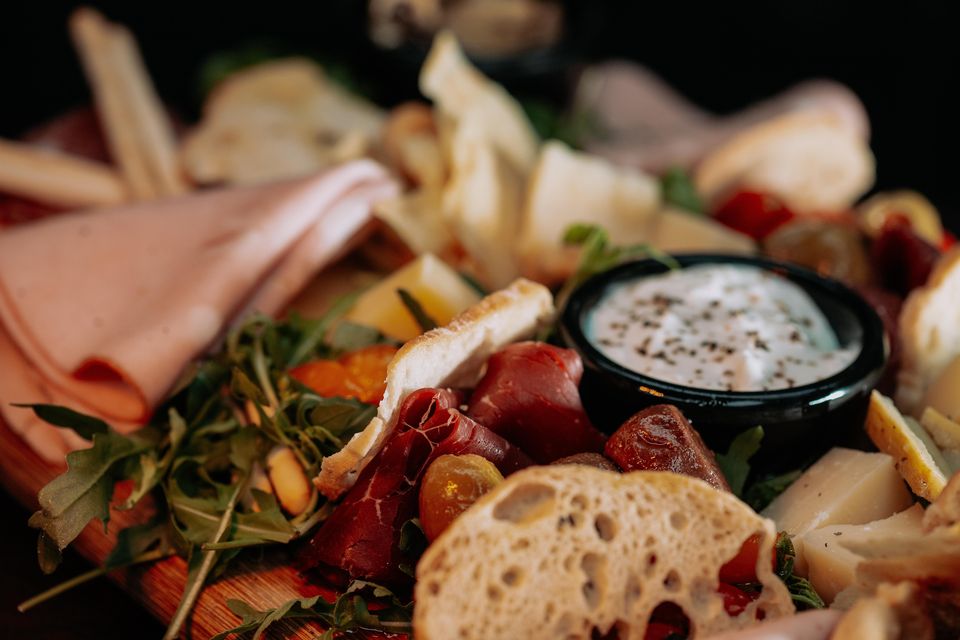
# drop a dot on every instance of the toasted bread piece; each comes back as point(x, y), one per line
point(457, 87)
point(276, 120)
point(807, 159)
point(482, 202)
point(571, 551)
point(453, 355)
point(930, 333)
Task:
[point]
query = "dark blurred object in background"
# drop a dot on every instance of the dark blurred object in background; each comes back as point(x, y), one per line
point(901, 62)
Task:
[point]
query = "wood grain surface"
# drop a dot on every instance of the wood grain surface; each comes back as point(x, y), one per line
point(263, 580)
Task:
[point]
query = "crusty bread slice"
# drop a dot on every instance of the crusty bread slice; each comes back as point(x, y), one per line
point(810, 160)
point(453, 355)
point(573, 552)
point(458, 88)
point(929, 331)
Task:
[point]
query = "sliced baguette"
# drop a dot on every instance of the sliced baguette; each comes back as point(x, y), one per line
point(574, 552)
point(930, 336)
point(452, 356)
point(810, 160)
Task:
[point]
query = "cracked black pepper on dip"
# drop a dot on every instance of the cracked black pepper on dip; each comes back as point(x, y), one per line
point(720, 327)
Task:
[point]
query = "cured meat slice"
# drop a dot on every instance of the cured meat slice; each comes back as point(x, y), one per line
point(109, 305)
point(660, 438)
point(361, 539)
point(529, 396)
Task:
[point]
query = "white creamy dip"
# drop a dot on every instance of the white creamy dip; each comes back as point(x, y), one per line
point(722, 327)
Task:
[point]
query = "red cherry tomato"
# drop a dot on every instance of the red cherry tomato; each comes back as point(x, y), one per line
point(735, 600)
point(948, 241)
point(902, 259)
point(743, 567)
point(755, 214)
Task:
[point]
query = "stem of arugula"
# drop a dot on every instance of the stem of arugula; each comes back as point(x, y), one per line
point(194, 588)
point(149, 556)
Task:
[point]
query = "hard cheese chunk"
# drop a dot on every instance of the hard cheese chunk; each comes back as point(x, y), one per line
point(831, 566)
point(843, 487)
point(439, 289)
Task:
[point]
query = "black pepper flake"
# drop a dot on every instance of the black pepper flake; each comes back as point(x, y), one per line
point(714, 303)
point(795, 336)
point(761, 344)
point(706, 315)
point(698, 372)
point(727, 373)
point(791, 382)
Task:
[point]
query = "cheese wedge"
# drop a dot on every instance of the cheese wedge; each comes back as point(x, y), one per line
point(568, 187)
point(842, 487)
point(918, 459)
point(439, 289)
point(675, 231)
point(831, 566)
point(943, 394)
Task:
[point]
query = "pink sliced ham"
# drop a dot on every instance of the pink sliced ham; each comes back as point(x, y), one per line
point(106, 307)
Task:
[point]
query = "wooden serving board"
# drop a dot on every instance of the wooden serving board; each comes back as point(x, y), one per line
point(264, 581)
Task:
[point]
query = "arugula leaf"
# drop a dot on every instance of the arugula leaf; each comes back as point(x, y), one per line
point(85, 426)
point(349, 612)
point(678, 190)
point(420, 315)
point(801, 590)
point(219, 66)
point(569, 127)
point(136, 540)
point(349, 336)
point(598, 255)
point(81, 494)
point(762, 492)
point(148, 471)
point(735, 463)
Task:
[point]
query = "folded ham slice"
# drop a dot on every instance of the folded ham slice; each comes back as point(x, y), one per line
point(106, 307)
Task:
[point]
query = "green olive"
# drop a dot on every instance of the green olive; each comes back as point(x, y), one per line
point(450, 485)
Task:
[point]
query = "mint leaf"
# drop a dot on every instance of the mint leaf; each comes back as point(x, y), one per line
point(735, 463)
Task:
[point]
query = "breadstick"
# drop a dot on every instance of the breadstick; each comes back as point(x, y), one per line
point(56, 178)
point(138, 132)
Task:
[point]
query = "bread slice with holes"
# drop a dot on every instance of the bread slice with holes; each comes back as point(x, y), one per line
point(572, 551)
point(450, 356)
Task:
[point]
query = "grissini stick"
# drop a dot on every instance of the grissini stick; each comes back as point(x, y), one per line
point(58, 179)
point(138, 132)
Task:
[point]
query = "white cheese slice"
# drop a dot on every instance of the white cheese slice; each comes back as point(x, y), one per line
point(843, 487)
point(439, 289)
point(831, 566)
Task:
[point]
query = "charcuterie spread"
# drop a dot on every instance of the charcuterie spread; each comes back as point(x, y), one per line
point(310, 322)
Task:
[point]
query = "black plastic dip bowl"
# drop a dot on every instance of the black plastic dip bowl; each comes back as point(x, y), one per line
point(799, 423)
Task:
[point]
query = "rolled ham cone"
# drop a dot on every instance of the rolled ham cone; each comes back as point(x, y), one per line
point(806, 625)
point(101, 310)
point(646, 124)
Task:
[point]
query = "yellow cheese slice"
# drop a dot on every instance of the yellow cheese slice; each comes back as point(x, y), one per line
point(917, 456)
point(439, 289)
point(831, 566)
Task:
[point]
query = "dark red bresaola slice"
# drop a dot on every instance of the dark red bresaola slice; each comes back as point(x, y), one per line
point(530, 396)
point(361, 538)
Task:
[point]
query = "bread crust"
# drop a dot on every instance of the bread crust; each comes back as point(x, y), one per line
point(571, 551)
point(929, 331)
point(449, 356)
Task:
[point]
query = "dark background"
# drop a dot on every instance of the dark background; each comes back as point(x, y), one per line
point(902, 63)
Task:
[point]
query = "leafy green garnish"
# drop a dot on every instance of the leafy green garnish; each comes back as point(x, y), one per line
point(803, 594)
point(85, 426)
point(678, 189)
point(422, 318)
point(350, 612)
point(762, 492)
point(552, 123)
point(598, 255)
point(198, 453)
point(735, 463)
